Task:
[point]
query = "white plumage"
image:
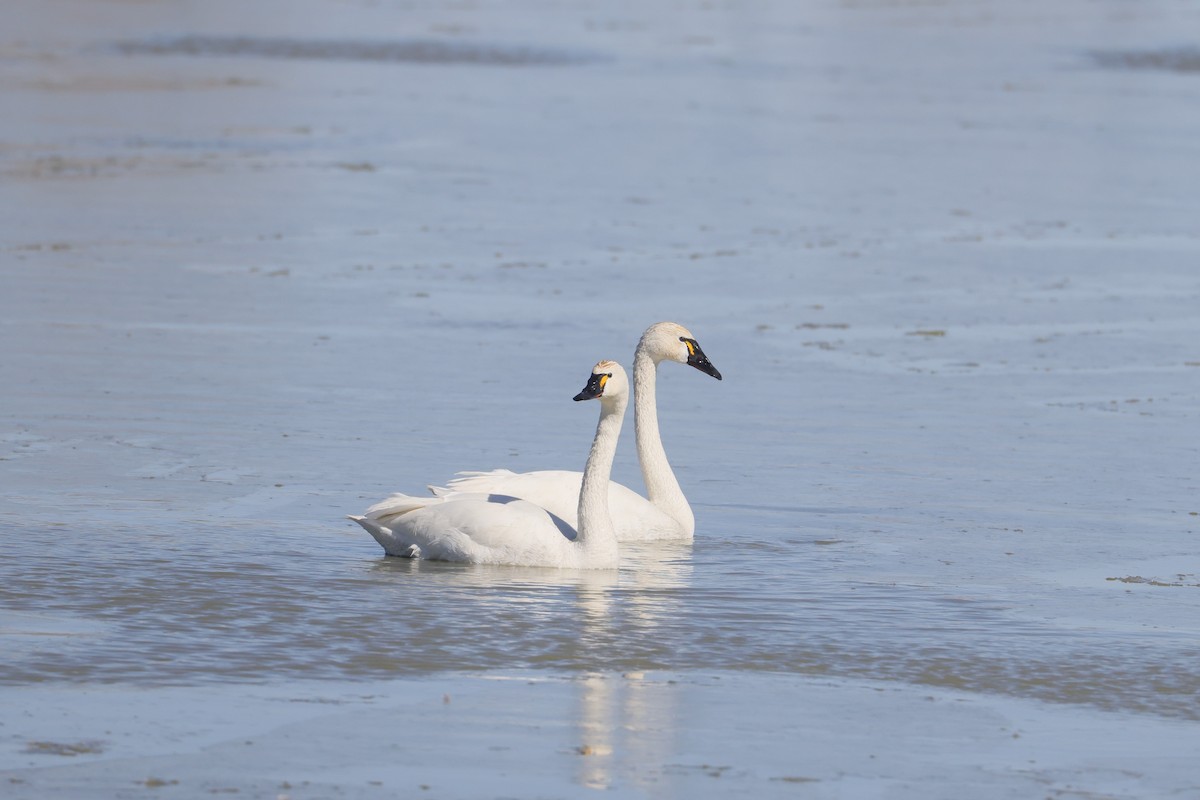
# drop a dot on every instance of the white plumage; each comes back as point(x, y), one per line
point(665, 512)
point(493, 528)
point(556, 490)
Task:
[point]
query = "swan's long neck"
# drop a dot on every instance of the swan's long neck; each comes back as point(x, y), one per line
point(662, 488)
point(596, 531)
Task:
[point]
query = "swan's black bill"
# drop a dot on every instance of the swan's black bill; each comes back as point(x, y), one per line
point(697, 359)
point(595, 387)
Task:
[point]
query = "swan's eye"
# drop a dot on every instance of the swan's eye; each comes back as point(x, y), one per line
point(691, 346)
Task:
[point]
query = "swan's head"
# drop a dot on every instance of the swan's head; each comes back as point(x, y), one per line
point(607, 382)
point(670, 341)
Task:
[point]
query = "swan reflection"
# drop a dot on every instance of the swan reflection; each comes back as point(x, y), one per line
point(443, 616)
point(624, 719)
point(627, 729)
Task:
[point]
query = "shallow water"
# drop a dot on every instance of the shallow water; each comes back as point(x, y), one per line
point(176, 612)
point(951, 284)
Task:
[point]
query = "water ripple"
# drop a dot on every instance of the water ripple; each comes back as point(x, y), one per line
point(221, 607)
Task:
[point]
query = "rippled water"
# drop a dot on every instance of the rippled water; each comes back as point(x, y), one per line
point(224, 603)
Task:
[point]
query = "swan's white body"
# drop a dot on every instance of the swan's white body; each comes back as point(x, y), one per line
point(665, 512)
point(492, 528)
point(634, 517)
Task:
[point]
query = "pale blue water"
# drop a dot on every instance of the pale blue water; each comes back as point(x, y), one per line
point(956, 441)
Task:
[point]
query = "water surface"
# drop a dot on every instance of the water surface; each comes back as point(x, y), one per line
point(947, 271)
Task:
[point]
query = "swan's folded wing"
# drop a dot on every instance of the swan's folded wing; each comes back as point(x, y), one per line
point(557, 491)
point(398, 504)
point(462, 480)
point(482, 529)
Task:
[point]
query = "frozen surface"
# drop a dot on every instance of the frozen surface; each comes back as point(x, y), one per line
point(263, 263)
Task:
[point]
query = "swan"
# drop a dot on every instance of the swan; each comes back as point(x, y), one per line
point(490, 528)
point(666, 513)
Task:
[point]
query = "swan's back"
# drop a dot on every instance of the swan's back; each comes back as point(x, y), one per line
point(489, 529)
point(634, 517)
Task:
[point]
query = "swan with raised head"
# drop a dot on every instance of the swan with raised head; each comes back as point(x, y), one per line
point(664, 513)
point(490, 528)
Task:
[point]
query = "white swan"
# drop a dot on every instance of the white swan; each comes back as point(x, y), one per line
point(489, 528)
point(666, 514)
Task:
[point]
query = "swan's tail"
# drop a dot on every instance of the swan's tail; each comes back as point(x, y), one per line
point(378, 519)
point(388, 540)
point(471, 482)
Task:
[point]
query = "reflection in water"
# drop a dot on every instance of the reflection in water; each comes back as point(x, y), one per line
point(614, 712)
point(596, 731)
point(627, 721)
